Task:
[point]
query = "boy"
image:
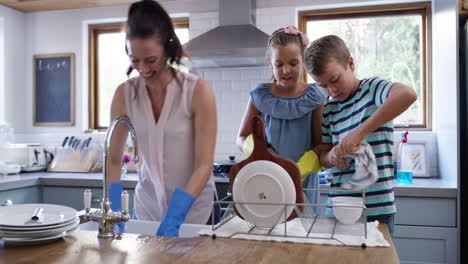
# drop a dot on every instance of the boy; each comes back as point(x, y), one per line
point(358, 110)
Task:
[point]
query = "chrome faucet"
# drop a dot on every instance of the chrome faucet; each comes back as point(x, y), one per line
point(105, 216)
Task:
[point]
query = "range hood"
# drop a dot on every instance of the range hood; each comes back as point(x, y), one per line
point(236, 42)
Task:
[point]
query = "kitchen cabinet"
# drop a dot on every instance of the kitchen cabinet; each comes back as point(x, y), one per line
point(21, 195)
point(422, 244)
point(425, 230)
point(73, 196)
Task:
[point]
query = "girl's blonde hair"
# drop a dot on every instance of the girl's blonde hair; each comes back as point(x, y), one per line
point(284, 36)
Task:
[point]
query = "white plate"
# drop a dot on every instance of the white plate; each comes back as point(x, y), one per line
point(39, 233)
point(37, 228)
point(263, 181)
point(19, 215)
point(33, 241)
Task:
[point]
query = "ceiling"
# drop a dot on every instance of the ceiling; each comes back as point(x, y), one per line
point(28, 6)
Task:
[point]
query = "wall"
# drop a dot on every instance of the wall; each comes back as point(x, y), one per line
point(12, 75)
point(2, 69)
point(231, 87)
point(445, 84)
point(44, 35)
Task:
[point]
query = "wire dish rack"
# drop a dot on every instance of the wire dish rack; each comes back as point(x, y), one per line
point(316, 220)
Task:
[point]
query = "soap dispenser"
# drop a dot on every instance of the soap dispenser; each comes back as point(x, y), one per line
point(404, 170)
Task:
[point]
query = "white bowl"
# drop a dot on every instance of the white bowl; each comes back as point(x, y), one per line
point(347, 209)
point(347, 200)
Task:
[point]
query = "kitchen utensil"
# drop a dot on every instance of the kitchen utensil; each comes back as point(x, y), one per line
point(16, 215)
point(264, 181)
point(84, 148)
point(51, 231)
point(261, 152)
point(64, 143)
point(347, 209)
point(37, 240)
point(37, 214)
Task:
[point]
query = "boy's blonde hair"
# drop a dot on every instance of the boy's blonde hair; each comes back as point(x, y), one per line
point(321, 51)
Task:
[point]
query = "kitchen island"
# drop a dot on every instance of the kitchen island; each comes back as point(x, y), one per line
point(86, 247)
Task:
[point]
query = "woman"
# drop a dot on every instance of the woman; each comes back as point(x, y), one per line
point(174, 116)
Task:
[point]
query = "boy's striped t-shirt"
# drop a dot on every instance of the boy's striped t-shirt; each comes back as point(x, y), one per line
point(339, 119)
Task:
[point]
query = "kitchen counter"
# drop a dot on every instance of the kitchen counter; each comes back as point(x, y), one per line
point(421, 187)
point(85, 247)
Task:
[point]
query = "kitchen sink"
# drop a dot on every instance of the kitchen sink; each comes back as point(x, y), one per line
point(149, 228)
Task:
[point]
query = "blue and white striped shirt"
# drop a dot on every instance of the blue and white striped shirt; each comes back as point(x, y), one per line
point(340, 118)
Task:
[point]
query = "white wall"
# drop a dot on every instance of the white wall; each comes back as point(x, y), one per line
point(13, 60)
point(445, 85)
point(65, 31)
point(2, 73)
point(231, 87)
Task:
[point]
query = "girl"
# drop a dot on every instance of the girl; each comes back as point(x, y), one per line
point(291, 108)
point(174, 116)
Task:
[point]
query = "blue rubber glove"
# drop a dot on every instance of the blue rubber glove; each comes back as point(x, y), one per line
point(115, 192)
point(180, 204)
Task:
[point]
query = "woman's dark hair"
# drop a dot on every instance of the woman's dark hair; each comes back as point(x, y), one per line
point(147, 18)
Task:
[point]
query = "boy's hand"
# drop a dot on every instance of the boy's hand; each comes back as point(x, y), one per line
point(350, 144)
point(336, 160)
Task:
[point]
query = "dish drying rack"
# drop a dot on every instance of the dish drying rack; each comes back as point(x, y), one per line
point(313, 217)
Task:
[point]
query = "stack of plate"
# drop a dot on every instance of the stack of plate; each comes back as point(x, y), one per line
point(18, 227)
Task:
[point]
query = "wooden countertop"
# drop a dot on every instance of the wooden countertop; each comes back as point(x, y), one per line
point(85, 247)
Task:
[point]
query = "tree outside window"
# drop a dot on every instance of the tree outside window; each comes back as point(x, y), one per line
point(390, 44)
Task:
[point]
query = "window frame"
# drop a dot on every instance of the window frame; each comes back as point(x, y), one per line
point(94, 31)
point(420, 8)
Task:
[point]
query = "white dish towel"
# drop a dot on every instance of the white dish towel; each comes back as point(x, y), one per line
point(375, 238)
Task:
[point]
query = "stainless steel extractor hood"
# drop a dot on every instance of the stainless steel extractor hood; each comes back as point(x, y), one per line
point(236, 42)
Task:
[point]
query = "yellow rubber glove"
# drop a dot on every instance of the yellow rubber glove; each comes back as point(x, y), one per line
point(308, 163)
point(247, 147)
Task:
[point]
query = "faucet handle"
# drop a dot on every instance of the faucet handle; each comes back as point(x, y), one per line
point(87, 199)
point(124, 202)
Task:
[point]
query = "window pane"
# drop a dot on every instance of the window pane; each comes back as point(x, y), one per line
point(182, 34)
point(387, 46)
point(112, 64)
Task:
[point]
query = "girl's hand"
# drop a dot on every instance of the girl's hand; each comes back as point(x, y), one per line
point(334, 159)
point(350, 144)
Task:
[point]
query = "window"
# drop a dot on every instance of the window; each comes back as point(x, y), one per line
point(108, 66)
point(390, 41)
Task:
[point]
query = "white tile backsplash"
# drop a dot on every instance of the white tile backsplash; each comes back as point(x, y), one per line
point(232, 94)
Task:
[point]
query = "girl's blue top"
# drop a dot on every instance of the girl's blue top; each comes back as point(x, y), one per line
point(288, 126)
point(288, 121)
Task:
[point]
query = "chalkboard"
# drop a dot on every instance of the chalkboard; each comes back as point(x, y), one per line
point(54, 89)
